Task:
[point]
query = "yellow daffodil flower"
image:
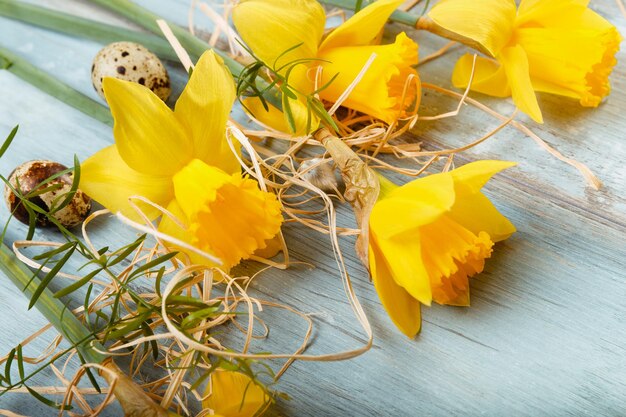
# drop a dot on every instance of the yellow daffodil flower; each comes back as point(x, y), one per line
point(233, 394)
point(555, 46)
point(271, 27)
point(427, 237)
point(181, 160)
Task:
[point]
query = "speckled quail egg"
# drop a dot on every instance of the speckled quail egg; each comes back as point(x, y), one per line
point(29, 176)
point(131, 62)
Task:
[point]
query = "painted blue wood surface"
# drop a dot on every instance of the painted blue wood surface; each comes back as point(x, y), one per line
point(546, 331)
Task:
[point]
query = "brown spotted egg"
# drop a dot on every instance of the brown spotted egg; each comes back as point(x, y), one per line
point(130, 62)
point(28, 178)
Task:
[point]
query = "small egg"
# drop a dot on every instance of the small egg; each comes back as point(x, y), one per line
point(30, 176)
point(130, 62)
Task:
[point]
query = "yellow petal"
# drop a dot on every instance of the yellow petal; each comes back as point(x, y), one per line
point(488, 22)
point(203, 108)
point(414, 204)
point(380, 92)
point(106, 178)
point(271, 27)
point(234, 394)
point(402, 254)
point(403, 309)
point(489, 76)
point(553, 12)
point(515, 63)
point(147, 135)
point(477, 214)
point(470, 178)
point(471, 208)
point(228, 215)
point(364, 27)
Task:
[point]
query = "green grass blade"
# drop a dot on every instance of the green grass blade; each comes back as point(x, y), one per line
point(61, 91)
point(81, 27)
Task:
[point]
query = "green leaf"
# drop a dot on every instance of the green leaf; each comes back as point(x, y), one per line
point(289, 113)
point(8, 140)
point(285, 53)
point(149, 265)
point(46, 401)
point(7, 365)
point(126, 251)
point(193, 318)
point(77, 284)
point(53, 252)
point(20, 362)
point(50, 275)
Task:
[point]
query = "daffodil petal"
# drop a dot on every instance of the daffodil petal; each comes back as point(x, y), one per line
point(477, 214)
point(489, 76)
point(470, 178)
point(488, 22)
point(515, 62)
point(272, 27)
point(203, 108)
point(148, 136)
point(403, 259)
point(106, 178)
point(472, 209)
point(403, 309)
point(380, 92)
point(414, 204)
point(551, 12)
point(234, 394)
point(364, 27)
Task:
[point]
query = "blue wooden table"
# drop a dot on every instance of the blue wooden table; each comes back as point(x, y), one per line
point(546, 333)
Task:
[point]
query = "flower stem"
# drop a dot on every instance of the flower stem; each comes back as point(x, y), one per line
point(85, 28)
point(362, 185)
point(29, 73)
point(51, 308)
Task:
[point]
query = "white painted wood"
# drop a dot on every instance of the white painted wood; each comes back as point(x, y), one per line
point(545, 333)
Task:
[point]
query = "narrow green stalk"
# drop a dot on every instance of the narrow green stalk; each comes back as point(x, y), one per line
point(147, 20)
point(81, 27)
point(193, 45)
point(52, 308)
point(398, 16)
point(54, 87)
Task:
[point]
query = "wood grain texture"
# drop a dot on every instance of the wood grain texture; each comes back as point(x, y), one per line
point(545, 334)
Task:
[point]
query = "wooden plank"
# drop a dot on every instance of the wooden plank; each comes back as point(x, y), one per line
point(544, 334)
